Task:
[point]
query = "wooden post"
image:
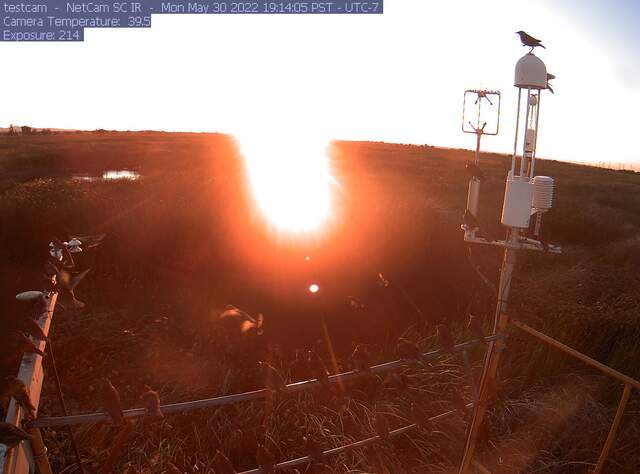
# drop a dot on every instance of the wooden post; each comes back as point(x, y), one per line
point(494, 350)
point(614, 429)
point(23, 458)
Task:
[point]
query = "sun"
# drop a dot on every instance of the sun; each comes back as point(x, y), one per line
point(290, 180)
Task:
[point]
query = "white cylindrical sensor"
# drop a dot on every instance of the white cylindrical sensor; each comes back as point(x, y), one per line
point(543, 192)
point(518, 195)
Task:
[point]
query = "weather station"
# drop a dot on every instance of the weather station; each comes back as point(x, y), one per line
point(527, 198)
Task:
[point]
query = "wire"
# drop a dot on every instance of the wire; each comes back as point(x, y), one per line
point(356, 444)
point(46, 422)
point(52, 359)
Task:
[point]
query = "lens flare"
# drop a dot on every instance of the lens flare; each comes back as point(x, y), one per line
point(290, 180)
point(314, 288)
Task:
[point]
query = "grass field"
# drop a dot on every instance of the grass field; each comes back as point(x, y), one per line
point(185, 240)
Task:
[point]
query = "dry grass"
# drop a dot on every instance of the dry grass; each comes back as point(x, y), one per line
point(184, 241)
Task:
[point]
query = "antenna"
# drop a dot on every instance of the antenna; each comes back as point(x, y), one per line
point(525, 195)
point(475, 119)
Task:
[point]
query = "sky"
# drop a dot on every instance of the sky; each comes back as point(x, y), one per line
point(396, 77)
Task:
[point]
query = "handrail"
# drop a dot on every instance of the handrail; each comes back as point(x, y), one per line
point(25, 456)
point(46, 422)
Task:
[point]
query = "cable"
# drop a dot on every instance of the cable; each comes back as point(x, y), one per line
point(45, 422)
point(63, 404)
point(356, 444)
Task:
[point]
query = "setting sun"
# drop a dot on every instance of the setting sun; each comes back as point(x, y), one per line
point(290, 181)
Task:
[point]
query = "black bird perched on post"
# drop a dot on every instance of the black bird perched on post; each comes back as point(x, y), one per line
point(550, 77)
point(528, 40)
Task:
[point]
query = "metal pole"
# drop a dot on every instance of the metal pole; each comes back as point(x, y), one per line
point(494, 350)
point(515, 141)
point(614, 429)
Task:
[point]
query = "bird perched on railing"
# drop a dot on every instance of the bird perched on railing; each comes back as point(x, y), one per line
point(11, 435)
point(31, 327)
point(530, 41)
point(550, 77)
point(21, 344)
point(150, 401)
point(298, 368)
point(396, 381)
point(317, 368)
point(266, 460)
point(407, 349)
point(417, 416)
point(360, 358)
point(273, 380)
point(111, 402)
point(474, 326)
point(13, 387)
point(222, 464)
point(313, 448)
point(381, 425)
point(445, 339)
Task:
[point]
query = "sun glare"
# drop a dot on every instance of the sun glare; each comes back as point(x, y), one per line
point(290, 181)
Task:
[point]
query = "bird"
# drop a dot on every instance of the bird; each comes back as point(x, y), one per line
point(88, 241)
point(16, 388)
point(11, 435)
point(266, 460)
point(528, 40)
point(459, 402)
point(222, 464)
point(417, 415)
point(111, 402)
point(445, 338)
point(32, 327)
point(382, 281)
point(298, 369)
point(241, 321)
point(381, 425)
point(317, 368)
point(273, 379)
point(407, 349)
point(550, 77)
point(394, 380)
point(474, 170)
point(470, 221)
point(66, 284)
point(313, 448)
point(475, 327)
point(22, 344)
point(360, 358)
point(63, 250)
point(151, 402)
